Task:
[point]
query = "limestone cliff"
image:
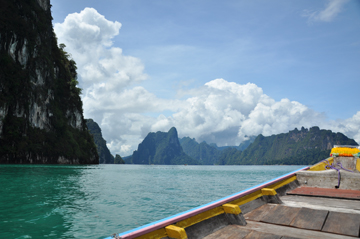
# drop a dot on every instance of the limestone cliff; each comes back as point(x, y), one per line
point(303, 147)
point(161, 148)
point(104, 153)
point(41, 116)
point(204, 153)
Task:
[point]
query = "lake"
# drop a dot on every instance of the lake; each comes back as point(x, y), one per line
point(95, 201)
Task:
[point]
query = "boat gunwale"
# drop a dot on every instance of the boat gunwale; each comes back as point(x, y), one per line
point(142, 230)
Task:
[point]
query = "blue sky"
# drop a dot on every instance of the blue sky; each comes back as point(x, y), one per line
point(216, 70)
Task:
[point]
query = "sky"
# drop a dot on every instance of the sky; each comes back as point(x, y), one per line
point(218, 71)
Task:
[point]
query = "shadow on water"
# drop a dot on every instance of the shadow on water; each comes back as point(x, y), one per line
point(37, 200)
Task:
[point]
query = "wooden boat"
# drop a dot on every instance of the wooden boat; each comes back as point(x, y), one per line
point(321, 201)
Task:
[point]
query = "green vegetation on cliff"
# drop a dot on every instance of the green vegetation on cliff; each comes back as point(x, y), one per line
point(41, 116)
point(203, 153)
point(118, 160)
point(246, 143)
point(161, 148)
point(302, 147)
point(229, 156)
point(296, 147)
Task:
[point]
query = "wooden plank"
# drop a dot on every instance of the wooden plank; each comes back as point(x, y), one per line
point(331, 204)
point(229, 232)
point(259, 213)
point(343, 223)
point(320, 203)
point(282, 215)
point(326, 192)
point(261, 235)
point(310, 219)
point(292, 231)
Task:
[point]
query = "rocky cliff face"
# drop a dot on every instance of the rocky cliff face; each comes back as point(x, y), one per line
point(161, 148)
point(104, 153)
point(41, 117)
point(203, 153)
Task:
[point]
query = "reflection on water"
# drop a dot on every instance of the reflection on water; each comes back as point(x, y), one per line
point(96, 201)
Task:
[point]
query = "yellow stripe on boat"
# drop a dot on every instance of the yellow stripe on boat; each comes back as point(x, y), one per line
point(248, 198)
point(200, 217)
point(321, 166)
point(282, 183)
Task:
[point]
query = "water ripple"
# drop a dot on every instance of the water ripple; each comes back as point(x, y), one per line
point(56, 201)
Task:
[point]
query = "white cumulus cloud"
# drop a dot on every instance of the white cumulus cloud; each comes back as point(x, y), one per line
point(219, 112)
point(225, 113)
point(105, 75)
point(88, 37)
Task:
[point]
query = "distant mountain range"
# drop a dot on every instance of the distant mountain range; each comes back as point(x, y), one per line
point(301, 147)
point(305, 146)
point(296, 147)
point(210, 154)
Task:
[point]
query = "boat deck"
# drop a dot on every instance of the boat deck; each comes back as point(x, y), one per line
point(312, 202)
point(305, 212)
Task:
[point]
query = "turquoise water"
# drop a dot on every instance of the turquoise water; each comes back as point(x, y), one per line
point(43, 201)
